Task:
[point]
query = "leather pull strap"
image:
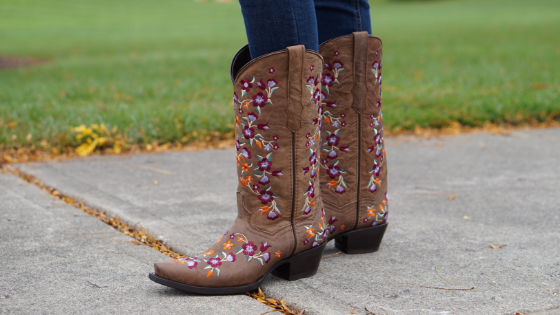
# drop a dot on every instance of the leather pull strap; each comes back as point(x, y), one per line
point(296, 86)
point(359, 91)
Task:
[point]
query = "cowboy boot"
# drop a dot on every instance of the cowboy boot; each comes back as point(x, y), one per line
point(280, 223)
point(354, 179)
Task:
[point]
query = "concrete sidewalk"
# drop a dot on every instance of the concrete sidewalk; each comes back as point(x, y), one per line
point(504, 188)
point(56, 259)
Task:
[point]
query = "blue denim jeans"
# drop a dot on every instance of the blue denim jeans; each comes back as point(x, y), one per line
point(273, 25)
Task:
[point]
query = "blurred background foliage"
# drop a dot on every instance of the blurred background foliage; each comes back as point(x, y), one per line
point(158, 71)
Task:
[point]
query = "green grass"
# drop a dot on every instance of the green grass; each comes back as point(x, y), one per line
point(159, 70)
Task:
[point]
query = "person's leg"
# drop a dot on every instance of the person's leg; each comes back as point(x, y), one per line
point(273, 25)
point(341, 17)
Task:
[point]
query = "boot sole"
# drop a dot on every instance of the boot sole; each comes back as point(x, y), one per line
point(302, 265)
point(362, 241)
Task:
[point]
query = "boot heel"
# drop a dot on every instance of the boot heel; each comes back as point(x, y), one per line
point(302, 265)
point(361, 241)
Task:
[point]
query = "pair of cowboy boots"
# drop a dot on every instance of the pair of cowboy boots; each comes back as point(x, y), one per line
point(310, 164)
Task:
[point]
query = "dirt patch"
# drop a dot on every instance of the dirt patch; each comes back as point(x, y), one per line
point(11, 62)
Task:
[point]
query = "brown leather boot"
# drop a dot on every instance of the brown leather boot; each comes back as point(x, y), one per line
point(280, 225)
point(354, 179)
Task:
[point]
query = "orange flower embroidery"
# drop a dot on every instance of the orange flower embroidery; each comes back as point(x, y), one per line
point(370, 211)
point(228, 245)
point(245, 167)
point(342, 227)
point(208, 253)
point(310, 232)
point(219, 240)
point(264, 209)
point(249, 179)
point(278, 254)
point(210, 273)
point(240, 239)
point(236, 121)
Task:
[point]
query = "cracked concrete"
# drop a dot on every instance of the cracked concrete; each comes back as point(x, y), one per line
point(504, 193)
point(56, 259)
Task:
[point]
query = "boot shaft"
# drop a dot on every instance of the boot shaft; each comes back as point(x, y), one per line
point(353, 155)
point(277, 131)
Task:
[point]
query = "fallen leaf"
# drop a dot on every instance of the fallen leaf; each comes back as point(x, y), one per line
point(466, 217)
point(156, 182)
point(496, 246)
point(452, 197)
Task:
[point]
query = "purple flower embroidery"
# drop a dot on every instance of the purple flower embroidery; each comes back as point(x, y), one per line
point(313, 159)
point(266, 196)
point(266, 257)
point(272, 215)
point(340, 190)
point(333, 171)
point(264, 164)
point(327, 79)
point(264, 180)
point(252, 116)
point(272, 82)
point(260, 99)
point(333, 139)
point(246, 153)
point(248, 133)
point(338, 64)
point(311, 190)
point(230, 257)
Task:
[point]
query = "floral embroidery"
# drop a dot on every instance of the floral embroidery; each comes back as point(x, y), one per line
point(375, 181)
point(191, 262)
point(376, 70)
point(249, 249)
point(249, 125)
point(331, 142)
point(311, 143)
point(214, 263)
point(228, 245)
point(278, 254)
point(377, 215)
point(315, 235)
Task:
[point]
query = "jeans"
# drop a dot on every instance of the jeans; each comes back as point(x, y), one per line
point(273, 25)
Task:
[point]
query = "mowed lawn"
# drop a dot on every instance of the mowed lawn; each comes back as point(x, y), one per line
point(159, 70)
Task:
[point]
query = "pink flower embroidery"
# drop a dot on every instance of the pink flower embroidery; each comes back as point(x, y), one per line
point(214, 262)
point(249, 248)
